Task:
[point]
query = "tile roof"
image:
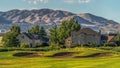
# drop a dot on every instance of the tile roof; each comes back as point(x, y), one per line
point(33, 36)
point(87, 31)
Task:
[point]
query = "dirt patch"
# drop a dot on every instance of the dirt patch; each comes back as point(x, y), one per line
point(96, 55)
point(63, 55)
point(26, 54)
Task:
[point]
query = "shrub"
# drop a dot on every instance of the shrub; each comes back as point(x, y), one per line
point(38, 45)
point(41, 44)
point(117, 49)
point(106, 44)
point(93, 45)
point(106, 48)
point(76, 45)
point(118, 43)
point(86, 45)
point(24, 45)
point(111, 44)
point(45, 44)
point(62, 46)
point(53, 45)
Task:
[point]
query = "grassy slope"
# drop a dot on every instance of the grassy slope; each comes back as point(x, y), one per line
point(8, 61)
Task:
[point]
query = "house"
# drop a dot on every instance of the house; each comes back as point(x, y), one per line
point(32, 39)
point(83, 36)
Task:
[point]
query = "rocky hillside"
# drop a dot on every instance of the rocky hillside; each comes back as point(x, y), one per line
point(35, 16)
point(48, 16)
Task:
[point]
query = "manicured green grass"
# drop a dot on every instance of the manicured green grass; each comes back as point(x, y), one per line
point(7, 60)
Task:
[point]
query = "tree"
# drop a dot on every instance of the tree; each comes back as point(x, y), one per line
point(66, 28)
point(10, 40)
point(117, 39)
point(77, 26)
point(42, 31)
point(34, 30)
point(15, 29)
point(63, 32)
point(37, 30)
point(58, 35)
point(54, 34)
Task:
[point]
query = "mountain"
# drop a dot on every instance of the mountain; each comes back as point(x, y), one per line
point(48, 16)
point(96, 19)
point(4, 20)
point(35, 16)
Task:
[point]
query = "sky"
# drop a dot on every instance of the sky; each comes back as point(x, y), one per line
point(109, 9)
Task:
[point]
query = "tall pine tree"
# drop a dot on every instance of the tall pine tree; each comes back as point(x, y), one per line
point(54, 34)
point(42, 31)
point(37, 30)
point(10, 38)
point(15, 29)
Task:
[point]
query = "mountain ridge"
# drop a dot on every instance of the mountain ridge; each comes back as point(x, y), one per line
point(48, 16)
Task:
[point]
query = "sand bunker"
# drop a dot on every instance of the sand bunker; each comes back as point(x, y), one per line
point(96, 55)
point(71, 55)
point(26, 54)
point(63, 54)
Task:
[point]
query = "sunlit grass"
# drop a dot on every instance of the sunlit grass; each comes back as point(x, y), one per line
point(7, 60)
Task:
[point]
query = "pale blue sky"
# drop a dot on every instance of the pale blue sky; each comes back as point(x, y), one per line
point(106, 8)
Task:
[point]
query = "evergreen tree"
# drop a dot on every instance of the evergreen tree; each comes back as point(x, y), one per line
point(66, 28)
point(37, 30)
point(34, 30)
point(77, 26)
point(15, 29)
point(42, 31)
point(10, 39)
point(117, 39)
point(62, 32)
point(54, 34)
